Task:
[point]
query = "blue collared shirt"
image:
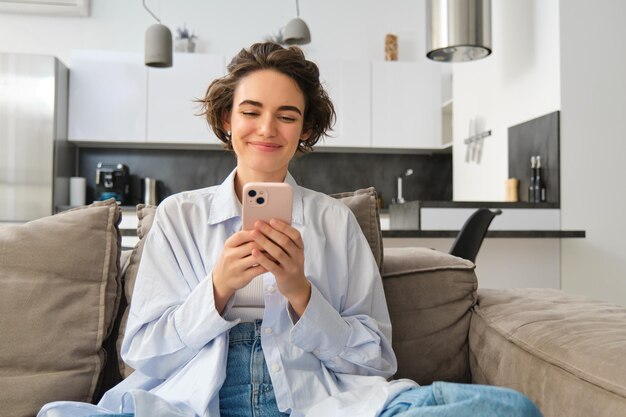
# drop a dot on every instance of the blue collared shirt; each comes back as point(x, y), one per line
point(337, 354)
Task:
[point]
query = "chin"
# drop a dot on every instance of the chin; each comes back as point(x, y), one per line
point(267, 167)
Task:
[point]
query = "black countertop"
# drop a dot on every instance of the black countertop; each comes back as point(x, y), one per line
point(481, 204)
point(534, 234)
point(487, 204)
point(452, 233)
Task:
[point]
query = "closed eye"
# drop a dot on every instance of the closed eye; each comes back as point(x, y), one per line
point(288, 119)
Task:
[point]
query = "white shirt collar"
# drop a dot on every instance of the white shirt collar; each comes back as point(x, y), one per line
point(226, 205)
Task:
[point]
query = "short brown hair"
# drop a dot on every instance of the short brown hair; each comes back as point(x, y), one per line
point(319, 112)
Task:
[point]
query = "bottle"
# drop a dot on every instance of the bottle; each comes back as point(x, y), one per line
point(149, 191)
point(540, 187)
point(531, 183)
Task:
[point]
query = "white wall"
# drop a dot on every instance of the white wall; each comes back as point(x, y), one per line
point(351, 29)
point(517, 82)
point(551, 55)
point(593, 147)
point(504, 262)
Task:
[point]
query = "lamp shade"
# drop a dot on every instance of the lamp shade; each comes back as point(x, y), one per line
point(296, 32)
point(158, 48)
point(458, 30)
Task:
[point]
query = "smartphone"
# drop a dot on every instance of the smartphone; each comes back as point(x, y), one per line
point(265, 201)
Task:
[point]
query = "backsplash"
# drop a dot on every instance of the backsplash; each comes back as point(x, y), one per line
point(180, 170)
point(539, 136)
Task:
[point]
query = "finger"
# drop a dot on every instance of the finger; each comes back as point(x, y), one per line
point(265, 262)
point(288, 230)
point(278, 237)
point(242, 251)
point(273, 249)
point(238, 239)
point(253, 272)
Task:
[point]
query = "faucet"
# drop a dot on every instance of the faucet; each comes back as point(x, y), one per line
point(400, 199)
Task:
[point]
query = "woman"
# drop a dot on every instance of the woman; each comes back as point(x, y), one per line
point(280, 320)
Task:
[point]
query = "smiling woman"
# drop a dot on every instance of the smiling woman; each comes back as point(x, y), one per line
point(284, 319)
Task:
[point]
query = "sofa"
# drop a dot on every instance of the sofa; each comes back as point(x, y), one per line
point(66, 284)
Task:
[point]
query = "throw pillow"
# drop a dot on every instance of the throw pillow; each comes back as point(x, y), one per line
point(365, 208)
point(59, 292)
point(145, 215)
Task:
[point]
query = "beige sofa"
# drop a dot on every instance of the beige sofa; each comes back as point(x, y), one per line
point(65, 284)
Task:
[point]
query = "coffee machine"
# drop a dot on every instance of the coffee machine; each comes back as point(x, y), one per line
point(112, 180)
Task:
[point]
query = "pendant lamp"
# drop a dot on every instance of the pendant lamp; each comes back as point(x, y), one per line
point(158, 48)
point(458, 30)
point(296, 31)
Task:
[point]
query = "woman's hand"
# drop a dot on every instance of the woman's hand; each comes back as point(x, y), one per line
point(282, 253)
point(235, 267)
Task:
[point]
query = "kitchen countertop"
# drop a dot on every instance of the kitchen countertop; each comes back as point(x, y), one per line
point(490, 234)
point(487, 204)
point(514, 229)
point(452, 233)
point(481, 204)
point(129, 229)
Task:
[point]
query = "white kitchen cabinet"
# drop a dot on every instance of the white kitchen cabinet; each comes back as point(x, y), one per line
point(406, 105)
point(114, 97)
point(348, 84)
point(171, 93)
point(107, 97)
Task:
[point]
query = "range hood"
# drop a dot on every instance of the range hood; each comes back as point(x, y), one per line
point(458, 30)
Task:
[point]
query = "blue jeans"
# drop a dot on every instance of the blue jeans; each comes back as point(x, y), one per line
point(445, 399)
point(248, 390)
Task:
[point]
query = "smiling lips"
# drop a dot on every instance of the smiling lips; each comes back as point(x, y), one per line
point(265, 146)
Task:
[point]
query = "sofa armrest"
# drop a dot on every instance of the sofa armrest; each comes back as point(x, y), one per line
point(566, 352)
point(430, 295)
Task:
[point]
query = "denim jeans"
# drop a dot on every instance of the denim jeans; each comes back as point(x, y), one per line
point(445, 399)
point(247, 390)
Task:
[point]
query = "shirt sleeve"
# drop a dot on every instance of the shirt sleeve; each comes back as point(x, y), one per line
point(355, 337)
point(172, 314)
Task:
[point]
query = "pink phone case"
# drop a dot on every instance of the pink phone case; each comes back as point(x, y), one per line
point(265, 201)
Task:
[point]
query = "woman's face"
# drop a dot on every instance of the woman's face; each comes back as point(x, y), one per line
point(266, 124)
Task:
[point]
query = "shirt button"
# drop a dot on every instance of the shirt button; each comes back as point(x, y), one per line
point(271, 289)
point(275, 367)
point(268, 330)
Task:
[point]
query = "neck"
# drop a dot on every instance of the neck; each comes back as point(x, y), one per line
point(242, 177)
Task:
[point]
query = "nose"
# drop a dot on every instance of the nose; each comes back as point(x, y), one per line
point(267, 126)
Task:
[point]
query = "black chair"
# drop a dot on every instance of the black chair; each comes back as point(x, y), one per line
point(471, 235)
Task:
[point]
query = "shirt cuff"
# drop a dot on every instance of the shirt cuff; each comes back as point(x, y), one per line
point(321, 329)
point(197, 321)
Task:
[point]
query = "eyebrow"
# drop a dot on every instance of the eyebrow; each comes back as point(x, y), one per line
point(258, 104)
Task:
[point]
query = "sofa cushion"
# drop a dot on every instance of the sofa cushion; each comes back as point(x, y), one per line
point(565, 352)
point(365, 208)
point(145, 216)
point(59, 292)
point(429, 295)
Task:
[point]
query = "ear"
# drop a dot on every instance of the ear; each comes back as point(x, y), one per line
point(305, 135)
point(226, 121)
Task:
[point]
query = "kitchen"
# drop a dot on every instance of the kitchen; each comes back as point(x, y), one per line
point(536, 93)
